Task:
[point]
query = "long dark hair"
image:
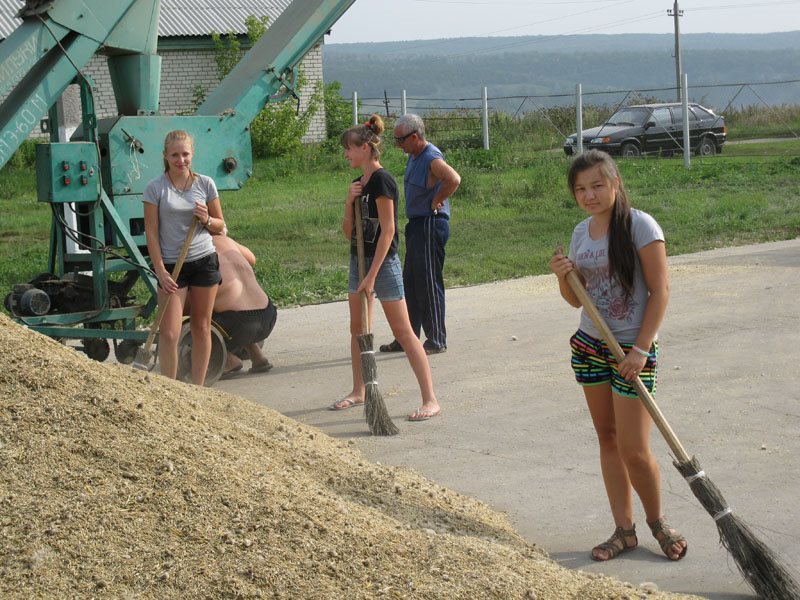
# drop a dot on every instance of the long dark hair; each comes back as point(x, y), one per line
point(621, 255)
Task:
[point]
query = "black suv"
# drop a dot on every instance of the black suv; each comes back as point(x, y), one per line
point(654, 129)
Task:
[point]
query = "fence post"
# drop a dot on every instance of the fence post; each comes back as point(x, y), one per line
point(485, 118)
point(403, 102)
point(687, 142)
point(579, 117)
point(355, 108)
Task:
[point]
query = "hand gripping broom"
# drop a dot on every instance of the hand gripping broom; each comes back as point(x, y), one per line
point(378, 419)
point(759, 565)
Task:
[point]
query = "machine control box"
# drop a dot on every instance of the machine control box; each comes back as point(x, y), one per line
point(67, 172)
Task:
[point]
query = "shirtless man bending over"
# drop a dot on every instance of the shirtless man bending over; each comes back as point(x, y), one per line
point(241, 307)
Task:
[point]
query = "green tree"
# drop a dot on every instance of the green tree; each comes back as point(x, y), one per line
point(338, 111)
point(280, 126)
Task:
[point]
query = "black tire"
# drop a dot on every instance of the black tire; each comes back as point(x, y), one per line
point(96, 349)
point(216, 362)
point(125, 351)
point(706, 147)
point(630, 150)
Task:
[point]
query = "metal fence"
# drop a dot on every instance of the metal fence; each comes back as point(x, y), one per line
point(470, 119)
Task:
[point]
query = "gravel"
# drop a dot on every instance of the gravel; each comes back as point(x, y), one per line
point(122, 484)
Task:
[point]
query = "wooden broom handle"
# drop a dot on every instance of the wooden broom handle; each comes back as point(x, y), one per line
point(641, 390)
point(362, 268)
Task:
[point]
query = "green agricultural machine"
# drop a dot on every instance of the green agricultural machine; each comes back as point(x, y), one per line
point(94, 182)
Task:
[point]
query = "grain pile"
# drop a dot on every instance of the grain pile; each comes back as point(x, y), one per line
point(119, 484)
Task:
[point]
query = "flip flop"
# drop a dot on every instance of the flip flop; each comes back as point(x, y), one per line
point(262, 368)
point(393, 346)
point(422, 414)
point(344, 404)
point(232, 373)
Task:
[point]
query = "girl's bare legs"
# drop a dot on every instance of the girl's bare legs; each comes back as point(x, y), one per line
point(623, 432)
point(356, 395)
point(397, 315)
point(168, 332)
point(201, 307)
point(633, 424)
point(615, 476)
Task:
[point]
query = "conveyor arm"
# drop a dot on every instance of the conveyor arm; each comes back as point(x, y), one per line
point(41, 57)
point(269, 63)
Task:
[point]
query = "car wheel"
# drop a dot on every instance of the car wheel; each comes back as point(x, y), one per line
point(707, 147)
point(630, 150)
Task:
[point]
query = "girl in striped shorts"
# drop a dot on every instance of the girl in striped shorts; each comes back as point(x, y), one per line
point(620, 256)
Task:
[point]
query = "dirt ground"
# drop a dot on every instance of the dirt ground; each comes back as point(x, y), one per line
point(515, 433)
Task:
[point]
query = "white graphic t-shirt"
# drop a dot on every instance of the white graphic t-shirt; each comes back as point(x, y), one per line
point(622, 313)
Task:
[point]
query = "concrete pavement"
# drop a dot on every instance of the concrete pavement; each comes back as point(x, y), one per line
point(515, 432)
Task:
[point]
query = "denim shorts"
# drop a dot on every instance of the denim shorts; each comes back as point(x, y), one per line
point(203, 272)
point(388, 283)
point(594, 364)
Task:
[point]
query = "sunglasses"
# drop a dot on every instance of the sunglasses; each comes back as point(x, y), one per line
point(400, 140)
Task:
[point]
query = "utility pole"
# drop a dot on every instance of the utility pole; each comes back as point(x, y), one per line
point(675, 13)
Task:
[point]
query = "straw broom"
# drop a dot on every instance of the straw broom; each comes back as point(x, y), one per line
point(759, 565)
point(378, 419)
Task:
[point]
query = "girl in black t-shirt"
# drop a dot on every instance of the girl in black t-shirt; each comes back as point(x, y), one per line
point(375, 195)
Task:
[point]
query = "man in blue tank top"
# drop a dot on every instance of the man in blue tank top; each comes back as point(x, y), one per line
point(428, 183)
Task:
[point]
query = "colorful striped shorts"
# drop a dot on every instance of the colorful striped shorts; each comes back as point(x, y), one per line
point(594, 364)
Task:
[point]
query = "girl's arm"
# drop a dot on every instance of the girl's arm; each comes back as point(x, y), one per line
point(210, 215)
point(386, 218)
point(154, 248)
point(653, 258)
point(347, 220)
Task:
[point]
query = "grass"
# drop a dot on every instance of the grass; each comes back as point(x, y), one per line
point(511, 210)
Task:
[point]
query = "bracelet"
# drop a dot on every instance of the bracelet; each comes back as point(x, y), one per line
point(640, 351)
point(208, 223)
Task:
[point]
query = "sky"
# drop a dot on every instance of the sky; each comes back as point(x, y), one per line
point(396, 20)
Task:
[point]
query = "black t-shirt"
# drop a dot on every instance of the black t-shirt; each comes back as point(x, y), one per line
point(380, 183)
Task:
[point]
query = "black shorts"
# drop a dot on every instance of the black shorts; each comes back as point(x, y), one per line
point(203, 272)
point(246, 326)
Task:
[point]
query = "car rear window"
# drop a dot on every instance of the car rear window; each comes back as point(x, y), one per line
point(701, 113)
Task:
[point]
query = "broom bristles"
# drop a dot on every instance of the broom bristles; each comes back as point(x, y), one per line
point(378, 419)
point(760, 566)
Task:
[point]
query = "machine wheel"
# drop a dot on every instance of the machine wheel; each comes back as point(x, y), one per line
point(630, 150)
point(96, 349)
point(216, 363)
point(125, 351)
point(707, 147)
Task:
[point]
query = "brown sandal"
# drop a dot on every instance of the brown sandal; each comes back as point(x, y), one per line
point(668, 537)
point(613, 548)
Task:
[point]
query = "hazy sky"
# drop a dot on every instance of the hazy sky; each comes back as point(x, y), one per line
point(389, 20)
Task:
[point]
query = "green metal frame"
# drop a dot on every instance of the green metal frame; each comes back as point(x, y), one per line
point(37, 63)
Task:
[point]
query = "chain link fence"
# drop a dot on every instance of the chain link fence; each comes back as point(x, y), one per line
point(545, 121)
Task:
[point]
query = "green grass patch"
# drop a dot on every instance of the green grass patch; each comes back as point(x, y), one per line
point(511, 210)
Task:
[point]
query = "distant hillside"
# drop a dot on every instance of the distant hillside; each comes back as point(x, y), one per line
point(547, 65)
